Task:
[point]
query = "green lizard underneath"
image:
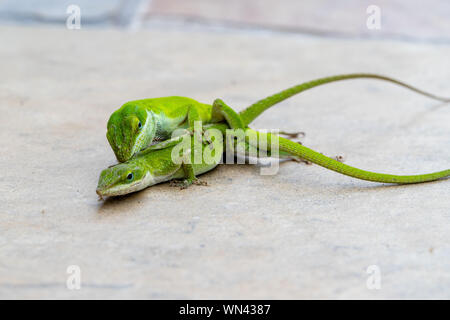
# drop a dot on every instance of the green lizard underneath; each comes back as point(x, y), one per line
point(137, 124)
point(156, 164)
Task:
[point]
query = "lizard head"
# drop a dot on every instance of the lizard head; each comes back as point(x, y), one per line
point(121, 179)
point(130, 129)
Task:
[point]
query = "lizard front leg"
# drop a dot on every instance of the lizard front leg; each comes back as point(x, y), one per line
point(194, 118)
point(189, 173)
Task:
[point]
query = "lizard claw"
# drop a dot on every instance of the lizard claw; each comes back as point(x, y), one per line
point(199, 182)
point(292, 134)
point(178, 183)
point(184, 184)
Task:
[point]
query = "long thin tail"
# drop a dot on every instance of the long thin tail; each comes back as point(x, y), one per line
point(303, 152)
point(253, 111)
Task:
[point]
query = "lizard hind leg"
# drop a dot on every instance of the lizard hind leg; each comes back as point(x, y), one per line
point(231, 117)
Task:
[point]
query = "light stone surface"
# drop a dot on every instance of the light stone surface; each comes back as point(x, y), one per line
point(303, 233)
point(98, 12)
point(407, 20)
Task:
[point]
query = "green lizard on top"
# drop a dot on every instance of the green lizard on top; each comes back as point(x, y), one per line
point(138, 124)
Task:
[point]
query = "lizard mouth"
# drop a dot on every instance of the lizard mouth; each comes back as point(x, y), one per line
point(110, 192)
point(102, 192)
point(105, 191)
point(119, 190)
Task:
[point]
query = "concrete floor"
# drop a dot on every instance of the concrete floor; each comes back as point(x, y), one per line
point(303, 233)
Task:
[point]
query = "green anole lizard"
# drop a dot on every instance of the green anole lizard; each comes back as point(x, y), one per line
point(156, 164)
point(137, 124)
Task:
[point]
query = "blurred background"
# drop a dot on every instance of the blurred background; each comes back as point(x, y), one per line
point(406, 20)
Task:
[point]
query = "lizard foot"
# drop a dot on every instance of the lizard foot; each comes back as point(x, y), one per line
point(184, 184)
point(199, 182)
point(300, 160)
point(292, 134)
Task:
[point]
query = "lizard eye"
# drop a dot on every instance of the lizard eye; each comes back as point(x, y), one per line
point(140, 125)
point(130, 176)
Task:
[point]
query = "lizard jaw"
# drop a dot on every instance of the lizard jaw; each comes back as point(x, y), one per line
point(118, 190)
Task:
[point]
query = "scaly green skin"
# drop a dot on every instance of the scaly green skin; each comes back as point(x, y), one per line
point(156, 165)
point(253, 111)
point(143, 171)
point(137, 124)
point(305, 153)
